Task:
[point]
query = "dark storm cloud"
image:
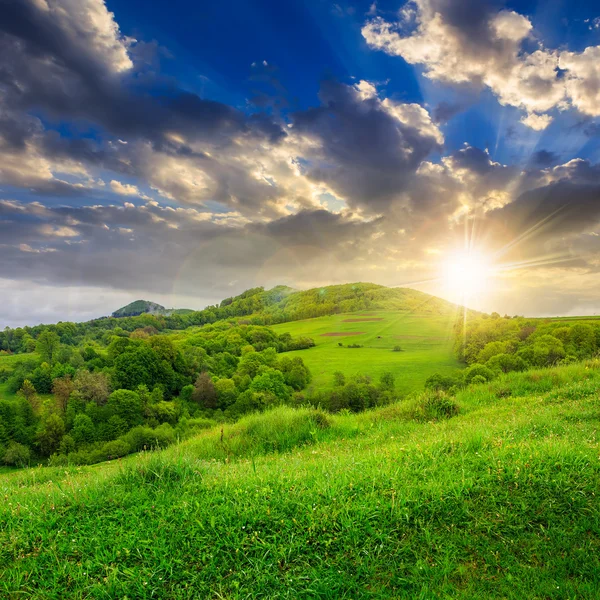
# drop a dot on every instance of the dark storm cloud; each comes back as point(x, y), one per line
point(366, 153)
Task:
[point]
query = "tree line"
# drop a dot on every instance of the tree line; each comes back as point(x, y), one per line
point(490, 345)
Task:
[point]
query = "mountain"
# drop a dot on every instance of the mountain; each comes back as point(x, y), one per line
point(140, 307)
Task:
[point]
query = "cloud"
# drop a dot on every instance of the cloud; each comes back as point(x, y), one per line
point(478, 43)
point(363, 148)
point(239, 196)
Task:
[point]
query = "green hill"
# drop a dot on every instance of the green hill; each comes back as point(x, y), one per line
point(410, 345)
point(140, 307)
point(403, 502)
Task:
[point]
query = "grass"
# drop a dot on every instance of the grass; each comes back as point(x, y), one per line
point(426, 342)
point(500, 501)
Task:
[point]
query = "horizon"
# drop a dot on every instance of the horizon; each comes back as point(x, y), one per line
point(294, 290)
point(183, 154)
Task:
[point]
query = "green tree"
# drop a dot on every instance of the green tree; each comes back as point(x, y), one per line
point(84, 431)
point(17, 455)
point(339, 379)
point(273, 382)
point(50, 434)
point(226, 392)
point(127, 405)
point(387, 381)
point(48, 344)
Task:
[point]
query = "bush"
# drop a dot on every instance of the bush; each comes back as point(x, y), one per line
point(397, 349)
point(439, 382)
point(436, 406)
point(145, 438)
point(17, 455)
point(116, 449)
point(481, 370)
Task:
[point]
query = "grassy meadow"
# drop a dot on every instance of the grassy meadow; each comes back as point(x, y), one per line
point(425, 342)
point(500, 501)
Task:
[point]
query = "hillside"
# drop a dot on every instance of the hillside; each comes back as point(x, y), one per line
point(403, 502)
point(257, 306)
point(410, 346)
point(140, 307)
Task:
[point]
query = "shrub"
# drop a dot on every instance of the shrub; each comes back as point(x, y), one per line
point(116, 449)
point(435, 406)
point(145, 438)
point(481, 370)
point(397, 349)
point(17, 455)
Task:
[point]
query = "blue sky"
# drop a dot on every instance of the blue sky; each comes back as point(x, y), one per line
point(213, 46)
point(184, 151)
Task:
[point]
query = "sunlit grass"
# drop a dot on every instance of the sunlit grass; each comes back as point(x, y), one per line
point(500, 501)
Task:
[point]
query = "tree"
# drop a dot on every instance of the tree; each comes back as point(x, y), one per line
point(481, 370)
point(506, 363)
point(27, 390)
point(48, 344)
point(50, 434)
point(83, 431)
point(387, 382)
point(62, 388)
point(42, 378)
point(127, 405)
point(273, 382)
point(205, 393)
point(93, 387)
point(17, 455)
point(547, 350)
point(226, 392)
point(339, 379)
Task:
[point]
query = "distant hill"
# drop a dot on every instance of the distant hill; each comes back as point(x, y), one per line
point(140, 307)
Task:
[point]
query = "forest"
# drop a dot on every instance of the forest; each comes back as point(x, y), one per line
point(93, 402)
point(490, 345)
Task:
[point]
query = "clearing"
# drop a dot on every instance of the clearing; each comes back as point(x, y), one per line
point(426, 347)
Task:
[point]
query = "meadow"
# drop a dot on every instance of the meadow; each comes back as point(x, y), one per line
point(405, 501)
point(425, 341)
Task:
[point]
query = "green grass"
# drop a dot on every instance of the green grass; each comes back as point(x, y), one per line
point(426, 342)
point(8, 360)
point(501, 501)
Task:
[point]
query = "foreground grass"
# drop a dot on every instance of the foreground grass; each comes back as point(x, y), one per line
point(501, 501)
point(426, 342)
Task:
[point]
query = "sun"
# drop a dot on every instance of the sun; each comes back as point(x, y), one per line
point(466, 273)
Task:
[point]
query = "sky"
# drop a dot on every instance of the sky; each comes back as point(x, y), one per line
point(182, 152)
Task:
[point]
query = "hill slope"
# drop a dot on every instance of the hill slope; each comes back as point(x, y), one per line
point(140, 307)
point(498, 502)
point(423, 344)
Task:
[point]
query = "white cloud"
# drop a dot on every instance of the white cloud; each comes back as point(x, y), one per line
point(90, 21)
point(127, 189)
point(536, 122)
point(488, 50)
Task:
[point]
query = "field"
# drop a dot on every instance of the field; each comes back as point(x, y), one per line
point(425, 340)
point(500, 501)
